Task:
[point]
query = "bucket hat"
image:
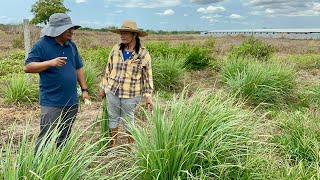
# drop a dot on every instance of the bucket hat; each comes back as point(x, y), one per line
point(130, 26)
point(58, 23)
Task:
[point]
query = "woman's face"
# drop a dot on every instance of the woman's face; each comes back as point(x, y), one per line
point(126, 37)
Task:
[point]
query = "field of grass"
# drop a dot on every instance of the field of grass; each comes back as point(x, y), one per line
point(225, 108)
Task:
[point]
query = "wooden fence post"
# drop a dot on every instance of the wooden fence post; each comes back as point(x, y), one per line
point(27, 41)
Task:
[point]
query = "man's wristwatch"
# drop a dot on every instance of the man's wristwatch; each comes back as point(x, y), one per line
point(85, 89)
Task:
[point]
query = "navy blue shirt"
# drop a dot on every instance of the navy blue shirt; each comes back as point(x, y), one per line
point(126, 54)
point(58, 85)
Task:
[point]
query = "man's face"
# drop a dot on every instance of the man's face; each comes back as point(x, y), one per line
point(126, 37)
point(67, 35)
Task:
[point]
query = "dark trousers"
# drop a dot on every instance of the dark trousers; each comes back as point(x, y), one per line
point(57, 118)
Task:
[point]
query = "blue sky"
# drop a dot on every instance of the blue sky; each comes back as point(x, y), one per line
point(180, 14)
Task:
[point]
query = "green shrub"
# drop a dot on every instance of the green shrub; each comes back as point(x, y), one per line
point(198, 58)
point(98, 55)
point(203, 137)
point(167, 72)
point(158, 49)
point(17, 89)
point(252, 48)
point(12, 63)
point(259, 82)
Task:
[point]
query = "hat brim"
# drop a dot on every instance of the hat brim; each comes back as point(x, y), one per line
point(56, 31)
point(140, 32)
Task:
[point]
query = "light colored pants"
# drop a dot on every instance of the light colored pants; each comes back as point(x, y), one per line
point(121, 109)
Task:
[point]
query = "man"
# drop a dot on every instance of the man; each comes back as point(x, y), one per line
point(55, 57)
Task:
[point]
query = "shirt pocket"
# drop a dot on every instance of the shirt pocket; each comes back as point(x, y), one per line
point(134, 69)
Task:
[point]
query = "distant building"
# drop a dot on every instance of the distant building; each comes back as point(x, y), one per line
point(311, 33)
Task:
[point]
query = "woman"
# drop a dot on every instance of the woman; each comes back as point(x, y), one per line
point(128, 77)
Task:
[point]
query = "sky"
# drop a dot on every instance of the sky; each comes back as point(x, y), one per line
point(178, 15)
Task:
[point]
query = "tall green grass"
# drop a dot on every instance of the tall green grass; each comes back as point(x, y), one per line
point(299, 141)
point(168, 72)
point(91, 76)
point(259, 82)
point(305, 61)
point(78, 159)
point(17, 89)
point(204, 137)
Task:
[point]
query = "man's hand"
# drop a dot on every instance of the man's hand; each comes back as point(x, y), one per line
point(58, 61)
point(149, 103)
point(86, 98)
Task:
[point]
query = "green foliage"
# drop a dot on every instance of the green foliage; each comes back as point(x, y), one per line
point(18, 42)
point(12, 63)
point(43, 9)
point(305, 61)
point(104, 126)
point(310, 96)
point(300, 137)
point(17, 89)
point(77, 159)
point(98, 55)
point(197, 57)
point(259, 82)
point(167, 72)
point(252, 48)
point(202, 137)
point(91, 75)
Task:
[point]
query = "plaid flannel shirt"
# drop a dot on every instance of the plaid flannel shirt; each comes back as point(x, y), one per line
point(130, 78)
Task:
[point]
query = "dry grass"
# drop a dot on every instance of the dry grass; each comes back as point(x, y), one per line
point(92, 39)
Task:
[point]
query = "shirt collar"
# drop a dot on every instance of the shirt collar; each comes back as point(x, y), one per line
point(53, 41)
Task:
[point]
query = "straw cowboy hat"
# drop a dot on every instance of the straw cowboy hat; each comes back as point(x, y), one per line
point(130, 26)
point(58, 23)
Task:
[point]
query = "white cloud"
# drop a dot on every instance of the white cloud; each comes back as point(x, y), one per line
point(8, 20)
point(81, 1)
point(211, 18)
point(185, 15)
point(205, 1)
point(167, 12)
point(211, 9)
point(284, 7)
point(119, 11)
point(143, 3)
point(235, 16)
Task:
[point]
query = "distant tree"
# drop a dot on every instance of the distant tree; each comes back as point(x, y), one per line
point(43, 9)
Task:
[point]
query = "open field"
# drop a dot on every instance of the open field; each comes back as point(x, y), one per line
point(266, 105)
